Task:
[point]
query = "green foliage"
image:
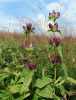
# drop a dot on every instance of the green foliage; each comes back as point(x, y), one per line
point(49, 80)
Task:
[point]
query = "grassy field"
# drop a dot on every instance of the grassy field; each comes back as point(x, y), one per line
point(40, 42)
point(15, 76)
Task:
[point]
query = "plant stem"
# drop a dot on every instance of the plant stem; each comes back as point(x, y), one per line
point(54, 75)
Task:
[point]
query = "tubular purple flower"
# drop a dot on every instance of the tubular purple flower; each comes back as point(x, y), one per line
point(50, 26)
point(54, 40)
point(55, 59)
point(50, 14)
point(27, 45)
point(51, 41)
point(53, 13)
point(57, 41)
point(58, 14)
point(58, 59)
point(29, 26)
point(30, 66)
point(24, 28)
point(56, 25)
point(33, 28)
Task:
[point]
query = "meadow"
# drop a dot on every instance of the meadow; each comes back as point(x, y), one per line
point(11, 54)
point(37, 66)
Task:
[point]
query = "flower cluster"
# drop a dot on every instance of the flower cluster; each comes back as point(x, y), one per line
point(54, 15)
point(28, 46)
point(30, 66)
point(53, 27)
point(55, 59)
point(28, 27)
point(54, 40)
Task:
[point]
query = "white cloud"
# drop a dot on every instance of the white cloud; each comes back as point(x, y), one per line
point(54, 6)
point(43, 24)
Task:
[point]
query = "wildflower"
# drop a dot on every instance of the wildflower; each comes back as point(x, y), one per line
point(30, 66)
point(28, 27)
point(54, 27)
point(50, 26)
point(54, 40)
point(55, 59)
point(28, 46)
point(54, 15)
point(58, 59)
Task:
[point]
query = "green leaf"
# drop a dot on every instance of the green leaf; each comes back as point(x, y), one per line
point(27, 80)
point(60, 51)
point(62, 90)
point(61, 82)
point(21, 80)
point(64, 68)
point(36, 97)
point(3, 77)
point(15, 88)
point(41, 82)
point(2, 62)
point(58, 80)
point(47, 92)
point(71, 80)
point(22, 97)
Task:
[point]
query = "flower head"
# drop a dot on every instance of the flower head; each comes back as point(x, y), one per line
point(28, 46)
point(54, 40)
point(28, 27)
point(30, 66)
point(54, 15)
point(50, 26)
point(55, 59)
point(54, 27)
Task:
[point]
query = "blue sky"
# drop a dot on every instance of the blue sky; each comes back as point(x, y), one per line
point(16, 13)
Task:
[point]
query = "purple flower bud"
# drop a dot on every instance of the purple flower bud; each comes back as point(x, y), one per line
point(30, 66)
point(56, 25)
point(56, 41)
point(50, 26)
point(53, 13)
point(58, 59)
point(53, 59)
point(51, 41)
point(29, 26)
point(50, 14)
point(27, 45)
point(58, 14)
point(24, 27)
point(33, 28)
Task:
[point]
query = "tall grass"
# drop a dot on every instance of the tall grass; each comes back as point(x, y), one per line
point(40, 42)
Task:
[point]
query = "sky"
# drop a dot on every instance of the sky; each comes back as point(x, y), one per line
point(16, 13)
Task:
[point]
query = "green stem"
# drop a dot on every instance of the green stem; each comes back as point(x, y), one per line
point(54, 75)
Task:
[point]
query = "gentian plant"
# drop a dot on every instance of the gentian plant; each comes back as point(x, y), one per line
point(23, 81)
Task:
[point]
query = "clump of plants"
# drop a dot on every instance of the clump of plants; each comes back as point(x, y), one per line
point(23, 80)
